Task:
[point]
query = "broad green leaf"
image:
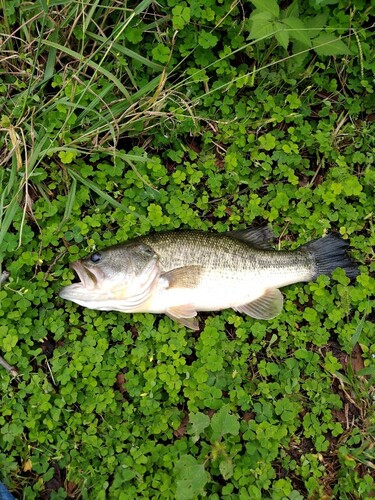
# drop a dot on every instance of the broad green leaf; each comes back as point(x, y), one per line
point(67, 156)
point(281, 34)
point(134, 35)
point(270, 6)
point(161, 53)
point(191, 478)
point(297, 30)
point(316, 24)
point(327, 44)
point(226, 468)
point(180, 16)
point(224, 422)
point(198, 422)
point(207, 39)
point(261, 26)
point(368, 370)
point(292, 10)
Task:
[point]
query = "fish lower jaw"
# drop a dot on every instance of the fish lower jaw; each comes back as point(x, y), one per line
point(68, 291)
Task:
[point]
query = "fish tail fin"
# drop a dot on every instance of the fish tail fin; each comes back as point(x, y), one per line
point(330, 252)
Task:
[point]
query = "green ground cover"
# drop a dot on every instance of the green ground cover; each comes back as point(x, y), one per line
point(120, 119)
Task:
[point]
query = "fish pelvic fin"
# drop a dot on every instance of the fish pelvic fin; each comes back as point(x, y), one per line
point(186, 315)
point(268, 306)
point(330, 252)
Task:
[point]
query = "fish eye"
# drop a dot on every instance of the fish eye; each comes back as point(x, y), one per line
point(96, 257)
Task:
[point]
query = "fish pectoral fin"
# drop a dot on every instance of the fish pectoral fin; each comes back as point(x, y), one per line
point(186, 315)
point(267, 306)
point(183, 277)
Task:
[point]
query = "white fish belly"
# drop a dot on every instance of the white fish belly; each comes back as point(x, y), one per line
point(222, 292)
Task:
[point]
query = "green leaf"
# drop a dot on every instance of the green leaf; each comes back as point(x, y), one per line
point(267, 142)
point(191, 478)
point(44, 5)
point(367, 371)
point(226, 468)
point(327, 44)
point(70, 201)
point(180, 16)
point(331, 363)
point(198, 422)
point(281, 35)
point(297, 30)
point(51, 60)
point(261, 25)
point(140, 7)
point(134, 34)
point(224, 422)
point(10, 214)
point(292, 10)
point(316, 24)
point(67, 156)
point(358, 331)
point(161, 53)
point(270, 6)
point(207, 39)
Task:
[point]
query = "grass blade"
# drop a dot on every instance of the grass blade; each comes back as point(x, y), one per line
point(51, 60)
point(10, 213)
point(125, 51)
point(358, 331)
point(70, 201)
point(89, 62)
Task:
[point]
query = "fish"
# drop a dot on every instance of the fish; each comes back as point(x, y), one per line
point(182, 272)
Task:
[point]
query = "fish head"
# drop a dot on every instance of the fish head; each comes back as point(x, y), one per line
point(117, 278)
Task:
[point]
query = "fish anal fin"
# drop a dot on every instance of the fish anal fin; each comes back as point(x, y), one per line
point(185, 314)
point(261, 237)
point(268, 306)
point(183, 277)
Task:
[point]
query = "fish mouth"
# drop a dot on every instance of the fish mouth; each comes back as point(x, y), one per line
point(90, 278)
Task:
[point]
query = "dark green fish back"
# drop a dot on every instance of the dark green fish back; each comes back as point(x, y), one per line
point(211, 250)
point(215, 251)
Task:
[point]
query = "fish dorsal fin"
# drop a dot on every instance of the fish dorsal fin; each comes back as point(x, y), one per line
point(261, 237)
point(184, 314)
point(183, 277)
point(267, 306)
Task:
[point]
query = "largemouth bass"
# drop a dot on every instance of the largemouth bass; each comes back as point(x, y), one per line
point(179, 273)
